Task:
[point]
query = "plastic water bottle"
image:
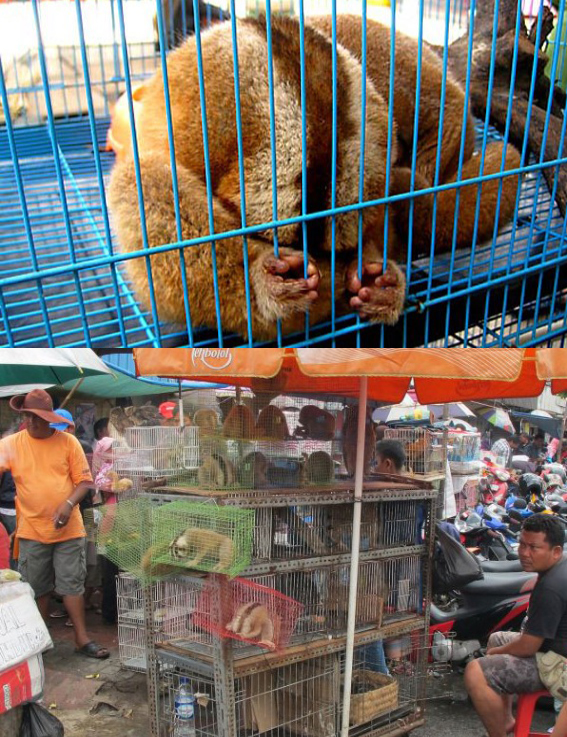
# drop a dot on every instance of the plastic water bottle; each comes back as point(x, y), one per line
point(184, 706)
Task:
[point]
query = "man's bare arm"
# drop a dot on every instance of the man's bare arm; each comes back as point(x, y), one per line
point(523, 647)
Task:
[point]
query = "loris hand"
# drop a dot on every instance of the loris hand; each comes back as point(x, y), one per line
point(62, 514)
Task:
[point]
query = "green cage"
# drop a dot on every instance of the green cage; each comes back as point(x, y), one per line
point(124, 533)
point(199, 536)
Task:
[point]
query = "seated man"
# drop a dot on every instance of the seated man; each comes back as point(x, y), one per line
point(390, 457)
point(510, 666)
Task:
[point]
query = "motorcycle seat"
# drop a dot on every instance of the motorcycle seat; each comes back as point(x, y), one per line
point(501, 584)
point(501, 566)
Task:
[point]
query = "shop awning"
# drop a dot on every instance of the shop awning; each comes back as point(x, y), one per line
point(439, 375)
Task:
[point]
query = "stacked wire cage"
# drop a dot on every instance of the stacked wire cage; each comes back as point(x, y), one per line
point(285, 444)
point(263, 646)
point(425, 449)
point(276, 687)
point(71, 100)
point(463, 454)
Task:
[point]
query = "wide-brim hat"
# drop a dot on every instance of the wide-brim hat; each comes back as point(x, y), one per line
point(39, 403)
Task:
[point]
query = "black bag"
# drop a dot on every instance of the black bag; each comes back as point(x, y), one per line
point(38, 722)
point(453, 565)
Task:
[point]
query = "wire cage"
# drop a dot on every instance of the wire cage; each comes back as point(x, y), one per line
point(70, 101)
point(302, 531)
point(305, 698)
point(287, 444)
point(199, 536)
point(202, 687)
point(247, 611)
point(424, 448)
point(124, 533)
point(300, 699)
point(172, 604)
point(156, 452)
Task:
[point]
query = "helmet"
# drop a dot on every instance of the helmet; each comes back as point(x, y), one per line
point(553, 480)
point(530, 484)
point(556, 469)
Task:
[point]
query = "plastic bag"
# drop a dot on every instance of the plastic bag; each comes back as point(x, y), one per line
point(453, 565)
point(38, 722)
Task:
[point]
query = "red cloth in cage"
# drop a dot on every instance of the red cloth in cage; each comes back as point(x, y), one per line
point(247, 611)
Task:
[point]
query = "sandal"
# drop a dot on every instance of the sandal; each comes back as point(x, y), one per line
point(58, 614)
point(68, 623)
point(92, 650)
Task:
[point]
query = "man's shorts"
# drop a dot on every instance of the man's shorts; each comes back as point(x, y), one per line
point(48, 567)
point(508, 674)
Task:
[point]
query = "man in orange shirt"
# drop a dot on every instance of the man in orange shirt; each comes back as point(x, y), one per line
point(52, 475)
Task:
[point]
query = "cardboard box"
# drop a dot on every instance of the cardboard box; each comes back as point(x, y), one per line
point(21, 683)
point(23, 632)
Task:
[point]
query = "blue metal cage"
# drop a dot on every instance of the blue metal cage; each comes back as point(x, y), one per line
point(64, 279)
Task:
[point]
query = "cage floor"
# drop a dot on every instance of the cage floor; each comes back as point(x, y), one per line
point(68, 291)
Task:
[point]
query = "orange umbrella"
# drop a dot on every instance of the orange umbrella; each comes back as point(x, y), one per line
point(439, 374)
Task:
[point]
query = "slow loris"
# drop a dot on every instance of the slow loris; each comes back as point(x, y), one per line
point(289, 285)
point(196, 548)
point(252, 621)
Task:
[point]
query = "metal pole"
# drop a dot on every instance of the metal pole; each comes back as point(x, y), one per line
point(563, 424)
point(180, 400)
point(355, 551)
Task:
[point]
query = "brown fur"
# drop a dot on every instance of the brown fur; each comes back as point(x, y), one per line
point(122, 418)
point(272, 424)
point(239, 423)
point(204, 545)
point(253, 471)
point(278, 288)
point(207, 420)
point(378, 68)
point(315, 423)
point(216, 472)
point(252, 621)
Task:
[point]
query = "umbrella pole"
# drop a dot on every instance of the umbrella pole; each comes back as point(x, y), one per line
point(355, 551)
point(73, 390)
point(563, 425)
point(180, 400)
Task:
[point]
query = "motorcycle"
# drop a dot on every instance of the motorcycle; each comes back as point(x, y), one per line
point(493, 486)
point(461, 620)
point(482, 539)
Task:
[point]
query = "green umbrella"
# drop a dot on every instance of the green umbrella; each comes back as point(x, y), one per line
point(33, 367)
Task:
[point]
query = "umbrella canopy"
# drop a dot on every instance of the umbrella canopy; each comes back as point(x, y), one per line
point(41, 367)
point(498, 417)
point(410, 409)
point(456, 423)
point(400, 413)
point(439, 375)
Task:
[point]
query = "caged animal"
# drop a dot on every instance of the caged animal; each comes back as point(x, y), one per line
point(216, 472)
point(198, 548)
point(122, 418)
point(286, 286)
point(253, 471)
point(207, 420)
point(253, 622)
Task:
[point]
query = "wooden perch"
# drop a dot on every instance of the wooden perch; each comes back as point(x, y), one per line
point(528, 57)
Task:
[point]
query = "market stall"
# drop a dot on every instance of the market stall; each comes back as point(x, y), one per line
point(272, 683)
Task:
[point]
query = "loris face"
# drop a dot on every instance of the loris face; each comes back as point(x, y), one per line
point(180, 548)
